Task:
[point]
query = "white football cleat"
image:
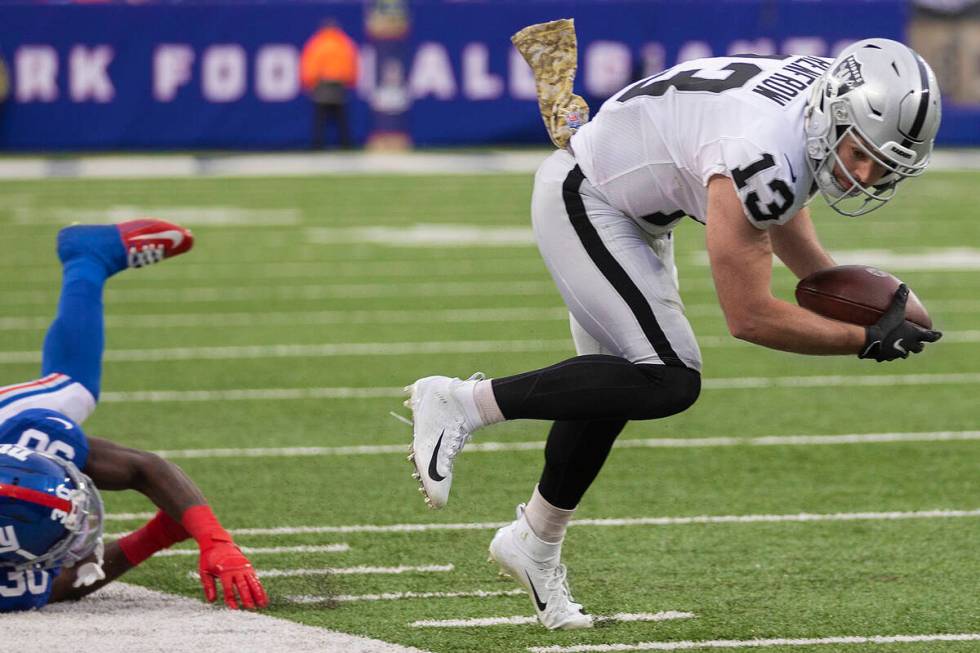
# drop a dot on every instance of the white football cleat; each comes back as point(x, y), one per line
point(439, 433)
point(537, 566)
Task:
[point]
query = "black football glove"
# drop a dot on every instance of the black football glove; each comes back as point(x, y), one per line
point(894, 337)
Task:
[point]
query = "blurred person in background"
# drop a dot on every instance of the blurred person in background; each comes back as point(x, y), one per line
point(328, 70)
point(51, 512)
point(4, 84)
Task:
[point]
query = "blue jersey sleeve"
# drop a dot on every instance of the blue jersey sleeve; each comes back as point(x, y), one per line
point(47, 431)
point(25, 590)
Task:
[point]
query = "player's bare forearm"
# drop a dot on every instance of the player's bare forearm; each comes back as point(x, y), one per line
point(798, 247)
point(115, 467)
point(780, 325)
point(114, 565)
point(741, 264)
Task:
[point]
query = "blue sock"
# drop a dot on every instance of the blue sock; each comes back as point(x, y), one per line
point(98, 242)
point(76, 339)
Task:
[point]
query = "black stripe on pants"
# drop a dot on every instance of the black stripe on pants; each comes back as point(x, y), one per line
point(613, 271)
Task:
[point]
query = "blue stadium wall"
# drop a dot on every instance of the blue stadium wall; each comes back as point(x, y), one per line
point(223, 76)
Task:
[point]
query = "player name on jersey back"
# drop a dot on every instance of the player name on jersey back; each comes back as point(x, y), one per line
point(791, 79)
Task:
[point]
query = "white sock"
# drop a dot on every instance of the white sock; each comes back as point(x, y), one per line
point(478, 403)
point(548, 522)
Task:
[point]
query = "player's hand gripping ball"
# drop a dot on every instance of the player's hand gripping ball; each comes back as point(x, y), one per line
point(896, 322)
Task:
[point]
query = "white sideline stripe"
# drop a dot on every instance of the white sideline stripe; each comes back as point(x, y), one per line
point(122, 618)
point(281, 394)
point(277, 165)
point(755, 643)
point(326, 350)
point(520, 620)
point(635, 443)
point(325, 548)
point(346, 571)
point(634, 521)
point(323, 164)
point(400, 596)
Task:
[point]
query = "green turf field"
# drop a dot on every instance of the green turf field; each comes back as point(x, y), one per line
point(291, 288)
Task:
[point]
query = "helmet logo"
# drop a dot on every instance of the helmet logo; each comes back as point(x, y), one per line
point(16, 452)
point(8, 539)
point(848, 72)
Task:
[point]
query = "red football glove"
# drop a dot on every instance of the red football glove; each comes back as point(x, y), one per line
point(221, 559)
point(224, 561)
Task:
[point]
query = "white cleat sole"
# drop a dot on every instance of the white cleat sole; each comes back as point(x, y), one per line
point(412, 460)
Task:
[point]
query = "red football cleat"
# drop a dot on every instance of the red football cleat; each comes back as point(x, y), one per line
point(150, 240)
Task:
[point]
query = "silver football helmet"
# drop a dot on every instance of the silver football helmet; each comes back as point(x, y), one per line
point(886, 97)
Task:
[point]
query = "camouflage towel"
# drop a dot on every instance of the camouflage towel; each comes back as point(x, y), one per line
point(551, 51)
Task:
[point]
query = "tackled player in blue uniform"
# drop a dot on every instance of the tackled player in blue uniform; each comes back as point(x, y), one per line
point(51, 515)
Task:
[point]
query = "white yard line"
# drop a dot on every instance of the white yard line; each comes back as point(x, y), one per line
point(630, 521)
point(735, 383)
point(324, 350)
point(249, 394)
point(839, 380)
point(424, 235)
point(308, 318)
point(330, 350)
point(347, 571)
point(757, 643)
point(125, 618)
point(401, 596)
point(214, 295)
point(270, 550)
point(316, 318)
point(359, 570)
point(191, 216)
point(920, 260)
point(299, 292)
point(634, 443)
point(522, 620)
point(128, 516)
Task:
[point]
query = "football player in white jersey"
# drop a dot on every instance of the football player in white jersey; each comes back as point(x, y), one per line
point(739, 144)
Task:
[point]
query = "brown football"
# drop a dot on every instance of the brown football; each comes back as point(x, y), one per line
point(858, 294)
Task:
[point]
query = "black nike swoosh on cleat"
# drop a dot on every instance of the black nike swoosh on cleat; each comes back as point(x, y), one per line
point(433, 472)
point(537, 599)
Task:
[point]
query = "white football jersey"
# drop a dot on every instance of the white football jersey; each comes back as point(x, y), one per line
point(652, 147)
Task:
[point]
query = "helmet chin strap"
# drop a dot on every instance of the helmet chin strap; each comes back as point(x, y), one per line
point(91, 572)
